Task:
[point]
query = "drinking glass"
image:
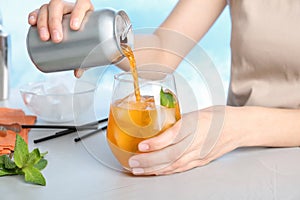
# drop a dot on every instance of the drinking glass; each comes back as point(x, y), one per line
point(140, 112)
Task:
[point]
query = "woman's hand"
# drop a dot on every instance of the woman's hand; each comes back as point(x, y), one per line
point(203, 136)
point(49, 17)
point(48, 20)
point(197, 139)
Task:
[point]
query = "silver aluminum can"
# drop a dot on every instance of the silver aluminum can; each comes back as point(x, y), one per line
point(97, 43)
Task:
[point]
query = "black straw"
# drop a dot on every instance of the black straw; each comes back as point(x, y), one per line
point(68, 130)
point(57, 134)
point(57, 127)
point(89, 134)
point(90, 125)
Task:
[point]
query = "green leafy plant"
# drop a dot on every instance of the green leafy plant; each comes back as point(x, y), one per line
point(167, 99)
point(24, 163)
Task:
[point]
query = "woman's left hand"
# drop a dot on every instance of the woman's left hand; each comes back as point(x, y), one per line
point(197, 139)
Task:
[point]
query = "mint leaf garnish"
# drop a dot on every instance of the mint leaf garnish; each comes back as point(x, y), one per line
point(167, 99)
point(7, 166)
point(21, 153)
point(8, 163)
point(7, 172)
point(24, 163)
point(33, 157)
point(33, 175)
point(2, 160)
point(41, 164)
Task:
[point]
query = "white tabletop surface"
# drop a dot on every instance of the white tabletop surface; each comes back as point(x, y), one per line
point(74, 173)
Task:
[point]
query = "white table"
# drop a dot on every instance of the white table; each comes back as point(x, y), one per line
point(72, 173)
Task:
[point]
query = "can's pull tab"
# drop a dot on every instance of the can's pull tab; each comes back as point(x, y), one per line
point(123, 37)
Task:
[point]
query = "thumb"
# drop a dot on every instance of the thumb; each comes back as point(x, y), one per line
point(186, 126)
point(161, 141)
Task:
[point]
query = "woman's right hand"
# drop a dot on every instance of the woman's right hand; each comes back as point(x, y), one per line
point(48, 18)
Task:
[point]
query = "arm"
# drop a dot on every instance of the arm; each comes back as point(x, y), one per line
point(184, 27)
point(180, 148)
point(178, 34)
point(271, 127)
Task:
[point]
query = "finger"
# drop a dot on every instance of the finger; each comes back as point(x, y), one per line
point(155, 170)
point(78, 13)
point(180, 165)
point(68, 7)
point(191, 163)
point(194, 159)
point(166, 156)
point(56, 12)
point(161, 141)
point(184, 163)
point(32, 17)
point(183, 128)
point(187, 167)
point(42, 23)
point(78, 72)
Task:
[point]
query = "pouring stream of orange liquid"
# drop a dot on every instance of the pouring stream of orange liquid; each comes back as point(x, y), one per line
point(129, 54)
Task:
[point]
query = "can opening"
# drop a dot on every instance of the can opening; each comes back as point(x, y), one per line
point(123, 30)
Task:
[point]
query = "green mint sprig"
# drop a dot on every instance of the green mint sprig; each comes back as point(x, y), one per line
point(24, 163)
point(167, 99)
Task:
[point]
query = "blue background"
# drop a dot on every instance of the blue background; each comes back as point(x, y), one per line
point(143, 13)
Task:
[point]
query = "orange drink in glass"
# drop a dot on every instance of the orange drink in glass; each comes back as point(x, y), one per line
point(132, 120)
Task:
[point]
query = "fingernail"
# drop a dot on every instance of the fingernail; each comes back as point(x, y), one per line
point(143, 147)
point(75, 23)
point(56, 35)
point(133, 163)
point(137, 171)
point(31, 18)
point(79, 73)
point(43, 33)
